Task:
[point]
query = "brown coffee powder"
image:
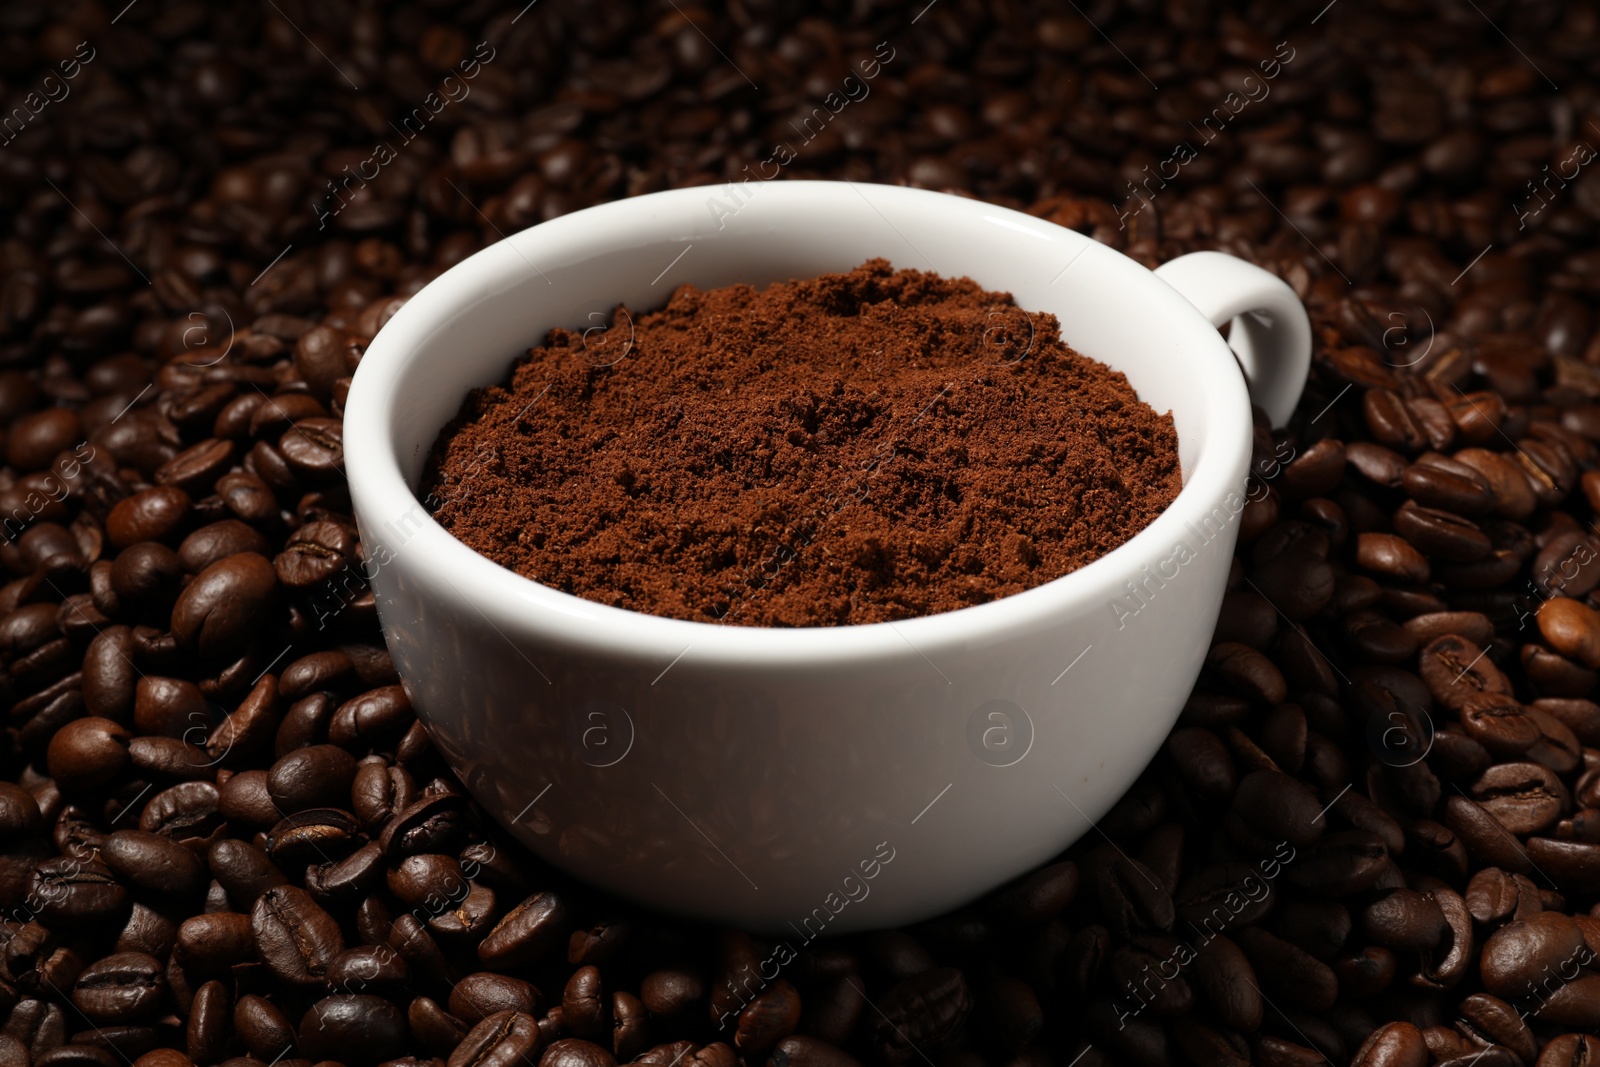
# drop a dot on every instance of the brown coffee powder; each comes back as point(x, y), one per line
point(854, 448)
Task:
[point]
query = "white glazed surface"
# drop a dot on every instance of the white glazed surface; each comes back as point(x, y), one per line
point(756, 776)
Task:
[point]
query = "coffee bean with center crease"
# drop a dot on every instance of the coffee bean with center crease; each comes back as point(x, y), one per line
point(1524, 797)
point(1450, 485)
point(295, 938)
point(529, 933)
point(71, 890)
point(430, 824)
point(1454, 669)
point(502, 1039)
point(316, 835)
point(197, 468)
point(314, 447)
point(1489, 1020)
point(927, 1012)
point(1499, 723)
point(1440, 534)
point(1131, 897)
point(315, 553)
point(120, 988)
point(1571, 1050)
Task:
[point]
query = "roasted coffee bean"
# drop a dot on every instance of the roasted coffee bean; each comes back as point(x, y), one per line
point(926, 1012)
point(482, 994)
point(154, 864)
point(34, 440)
point(295, 938)
point(217, 541)
point(244, 870)
point(1304, 980)
point(1441, 534)
point(318, 776)
point(315, 553)
point(1485, 839)
point(1131, 897)
point(209, 1015)
point(154, 514)
point(213, 942)
point(1039, 896)
point(1397, 1044)
point(376, 969)
point(1491, 1021)
point(1499, 723)
point(431, 823)
point(770, 1017)
point(532, 930)
point(668, 993)
point(120, 988)
point(313, 835)
point(1573, 863)
point(1450, 485)
point(263, 1027)
point(217, 611)
point(1524, 797)
point(1404, 920)
point(349, 879)
point(1280, 808)
point(1392, 557)
point(1570, 1050)
point(1515, 956)
point(1572, 628)
point(1224, 977)
point(503, 1039)
point(353, 1028)
point(574, 1052)
point(87, 753)
point(73, 890)
point(376, 716)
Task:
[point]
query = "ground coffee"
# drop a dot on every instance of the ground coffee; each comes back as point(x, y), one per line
point(854, 448)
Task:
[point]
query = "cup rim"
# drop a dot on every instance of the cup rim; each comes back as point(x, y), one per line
point(505, 598)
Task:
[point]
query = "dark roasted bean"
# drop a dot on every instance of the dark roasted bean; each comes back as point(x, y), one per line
point(216, 611)
point(503, 1039)
point(295, 938)
point(120, 988)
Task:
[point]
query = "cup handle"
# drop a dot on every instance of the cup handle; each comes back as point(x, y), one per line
point(1271, 334)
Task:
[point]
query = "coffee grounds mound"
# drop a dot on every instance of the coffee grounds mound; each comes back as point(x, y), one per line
point(854, 448)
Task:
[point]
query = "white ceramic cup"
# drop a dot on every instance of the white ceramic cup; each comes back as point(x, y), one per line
point(809, 781)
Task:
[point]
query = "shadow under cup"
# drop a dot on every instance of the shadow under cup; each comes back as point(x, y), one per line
point(794, 781)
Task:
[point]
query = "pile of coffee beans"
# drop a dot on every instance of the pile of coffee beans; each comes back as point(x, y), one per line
point(1374, 835)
